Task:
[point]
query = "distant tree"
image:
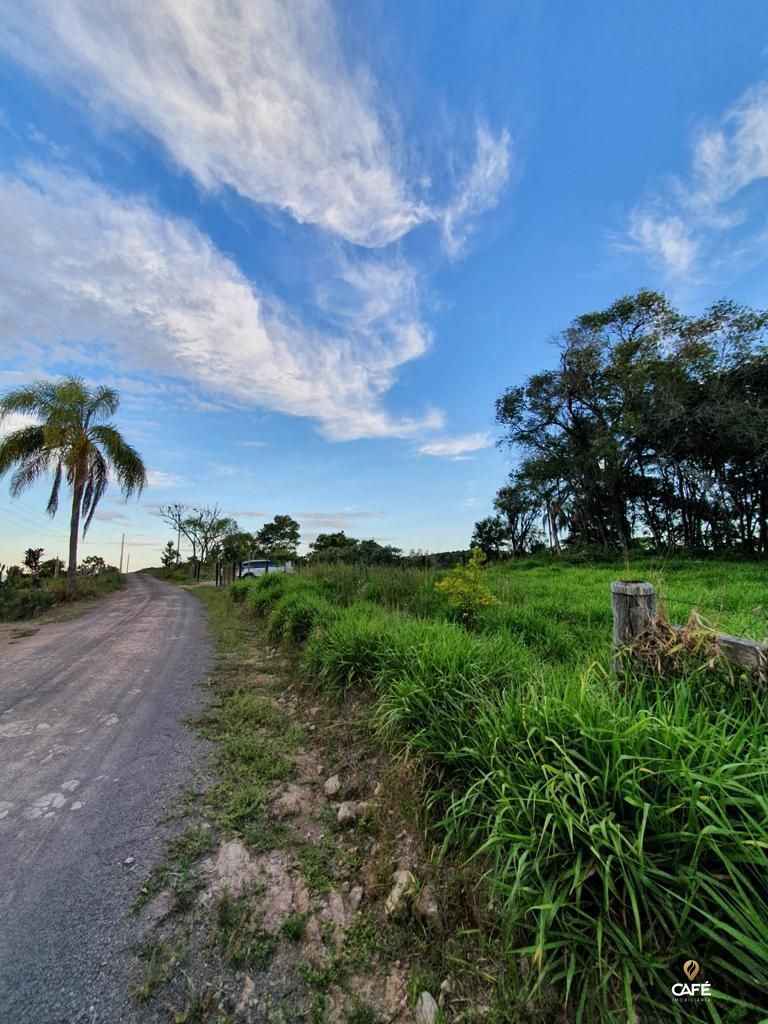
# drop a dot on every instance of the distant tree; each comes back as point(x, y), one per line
point(32, 558)
point(74, 443)
point(334, 547)
point(176, 515)
point(92, 565)
point(490, 535)
point(51, 567)
point(207, 527)
point(279, 538)
point(370, 552)
point(238, 545)
point(169, 555)
point(520, 510)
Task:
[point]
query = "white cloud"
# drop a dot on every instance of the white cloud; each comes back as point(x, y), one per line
point(715, 213)
point(251, 94)
point(16, 421)
point(323, 521)
point(479, 191)
point(258, 96)
point(108, 516)
point(457, 447)
point(80, 266)
point(160, 480)
point(665, 240)
point(223, 469)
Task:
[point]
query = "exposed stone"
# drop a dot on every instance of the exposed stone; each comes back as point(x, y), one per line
point(246, 994)
point(281, 892)
point(402, 888)
point(158, 909)
point(395, 991)
point(332, 786)
point(232, 869)
point(355, 898)
point(426, 1009)
point(426, 909)
point(446, 991)
point(293, 801)
point(351, 810)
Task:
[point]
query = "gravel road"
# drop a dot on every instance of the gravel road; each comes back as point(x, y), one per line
point(93, 749)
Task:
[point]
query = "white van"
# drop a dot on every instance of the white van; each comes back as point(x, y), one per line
point(260, 567)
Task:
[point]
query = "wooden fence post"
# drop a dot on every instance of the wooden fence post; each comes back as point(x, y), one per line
point(634, 609)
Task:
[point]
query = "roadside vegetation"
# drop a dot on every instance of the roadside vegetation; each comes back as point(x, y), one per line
point(73, 440)
point(275, 900)
point(619, 823)
point(29, 590)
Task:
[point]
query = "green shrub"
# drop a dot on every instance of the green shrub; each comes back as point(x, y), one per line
point(264, 591)
point(465, 590)
point(294, 615)
point(239, 590)
point(23, 602)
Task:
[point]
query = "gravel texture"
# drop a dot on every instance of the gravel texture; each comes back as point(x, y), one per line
point(93, 750)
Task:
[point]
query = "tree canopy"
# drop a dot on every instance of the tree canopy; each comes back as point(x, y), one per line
point(652, 427)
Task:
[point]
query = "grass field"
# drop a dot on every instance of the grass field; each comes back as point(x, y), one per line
point(621, 822)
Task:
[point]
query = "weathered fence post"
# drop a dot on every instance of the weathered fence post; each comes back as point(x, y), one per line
point(634, 609)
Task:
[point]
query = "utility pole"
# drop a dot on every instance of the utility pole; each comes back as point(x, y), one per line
point(178, 543)
point(56, 568)
point(122, 548)
point(128, 564)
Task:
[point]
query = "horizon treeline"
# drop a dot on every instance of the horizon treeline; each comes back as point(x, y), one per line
point(651, 431)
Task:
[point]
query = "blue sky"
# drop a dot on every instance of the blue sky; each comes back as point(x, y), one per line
point(311, 242)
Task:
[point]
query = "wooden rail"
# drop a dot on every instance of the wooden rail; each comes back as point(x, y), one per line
point(634, 610)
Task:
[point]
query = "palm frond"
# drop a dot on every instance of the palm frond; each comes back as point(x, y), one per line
point(128, 465)
point(28, 470)
point(103, 402)
point(20, 445)
point(53, 501)
point(31, 400)
point(96, 485)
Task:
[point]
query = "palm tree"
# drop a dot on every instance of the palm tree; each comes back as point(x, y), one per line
point(72, 441)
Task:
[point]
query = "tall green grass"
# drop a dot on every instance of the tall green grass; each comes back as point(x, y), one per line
point(621, 823)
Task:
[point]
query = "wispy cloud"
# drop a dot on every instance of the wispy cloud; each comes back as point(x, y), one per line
point(479, 191)
point(716, 212)
point(258, 97)
point(160, 480)
point(81, 265)
point(456, 448)
point(255, 96)
point(223, 468)
point(108, 516)
point(334, 520)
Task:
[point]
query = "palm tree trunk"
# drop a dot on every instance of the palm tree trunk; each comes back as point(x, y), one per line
point(74, 529)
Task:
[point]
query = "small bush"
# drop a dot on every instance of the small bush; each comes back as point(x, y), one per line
point(239, 590)
point(264, 591)
point(294, 615)
point(466, 591)
point(23, 602)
